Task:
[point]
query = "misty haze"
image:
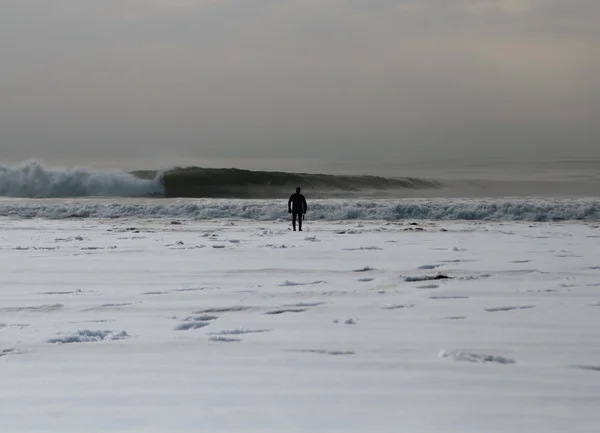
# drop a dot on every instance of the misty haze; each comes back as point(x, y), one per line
point(148, 85)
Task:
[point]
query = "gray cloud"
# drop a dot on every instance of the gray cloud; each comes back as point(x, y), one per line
point(331, 80)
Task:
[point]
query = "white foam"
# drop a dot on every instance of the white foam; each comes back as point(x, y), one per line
point(33, 179)
point(534, 209)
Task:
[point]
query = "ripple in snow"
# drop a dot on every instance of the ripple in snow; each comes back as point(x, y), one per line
point(429, 266)
point(369, 248)
point(86, 336)
point(595, 368)
point(239, 331)
point(428, 286)
point(286, 310)
point(293, 283)
point(41, 308)
point(326, 352)
point(365, 269)
point(222, 310)
point(398, 307)
point(494, 310)
point(186, 326)
point(480, 358)
point(5, 352)
point(225, 339)
point(427, 278)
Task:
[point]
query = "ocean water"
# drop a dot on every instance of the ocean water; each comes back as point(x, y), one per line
point(496, 190)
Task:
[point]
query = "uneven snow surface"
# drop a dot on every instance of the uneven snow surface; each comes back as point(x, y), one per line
point(364, 326)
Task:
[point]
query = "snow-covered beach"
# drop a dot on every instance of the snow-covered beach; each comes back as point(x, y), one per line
point(155, 325)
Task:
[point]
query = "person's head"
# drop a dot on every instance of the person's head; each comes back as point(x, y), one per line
point(298, 190)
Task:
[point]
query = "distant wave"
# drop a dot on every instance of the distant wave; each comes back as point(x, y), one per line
point(33, 180)
point(271, 210)
point(237, 183)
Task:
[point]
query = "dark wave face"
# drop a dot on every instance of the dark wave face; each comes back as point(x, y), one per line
point(236, 183)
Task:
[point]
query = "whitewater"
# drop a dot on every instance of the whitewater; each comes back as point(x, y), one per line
point(33, 179)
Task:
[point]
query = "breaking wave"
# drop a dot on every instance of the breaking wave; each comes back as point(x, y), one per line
point(332, 209)
point(33, 180)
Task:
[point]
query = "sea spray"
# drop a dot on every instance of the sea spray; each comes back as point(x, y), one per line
point(32, 179)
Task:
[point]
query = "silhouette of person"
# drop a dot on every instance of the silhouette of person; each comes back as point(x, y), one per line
point(297, 207)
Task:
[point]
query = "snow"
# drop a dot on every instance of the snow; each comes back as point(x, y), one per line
point(139, 325)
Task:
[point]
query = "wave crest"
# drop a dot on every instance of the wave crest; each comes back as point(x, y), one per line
point(34, 180)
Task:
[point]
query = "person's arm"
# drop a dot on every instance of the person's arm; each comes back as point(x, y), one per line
point(304, 204)
point(290, 204)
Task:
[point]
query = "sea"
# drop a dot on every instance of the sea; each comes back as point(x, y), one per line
point(559, 189)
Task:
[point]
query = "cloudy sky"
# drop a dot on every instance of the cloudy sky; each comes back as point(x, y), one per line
point(334, 80)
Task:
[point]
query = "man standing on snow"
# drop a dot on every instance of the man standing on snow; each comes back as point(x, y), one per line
point(297, 207)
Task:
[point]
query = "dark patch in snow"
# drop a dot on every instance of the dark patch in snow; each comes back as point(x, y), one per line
point(277, 247)
point(448, 297)
point(480, 358)
point(239, 331)
point(186, 326)
point(293, 283)
point(427, 278)
point(286, 310)
point(87, 336)
point(365, 280)
point(325, 352)
point(40, 308)
point(595, 368)
point(456, 317)
point(305, 304)
point(429, 266)
point(365, 269)
point(370, 248)
point(398, 307)
point(61, 293)
point(202, 318)
point(225, 339)
point(105, 306)
point(494, 310)
point(349, 232)
point(456, 260)
point(428, 286)
point(350, 322)
point(189, 289)
point(222, 310)
point(5, 352)
point(474, 277)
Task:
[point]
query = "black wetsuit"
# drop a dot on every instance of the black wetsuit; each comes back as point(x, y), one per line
point(297, 206)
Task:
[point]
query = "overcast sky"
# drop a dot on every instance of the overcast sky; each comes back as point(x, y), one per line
point(335, 80)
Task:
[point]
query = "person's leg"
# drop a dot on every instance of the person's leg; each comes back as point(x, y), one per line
point(294, 220)
point(299, 221)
